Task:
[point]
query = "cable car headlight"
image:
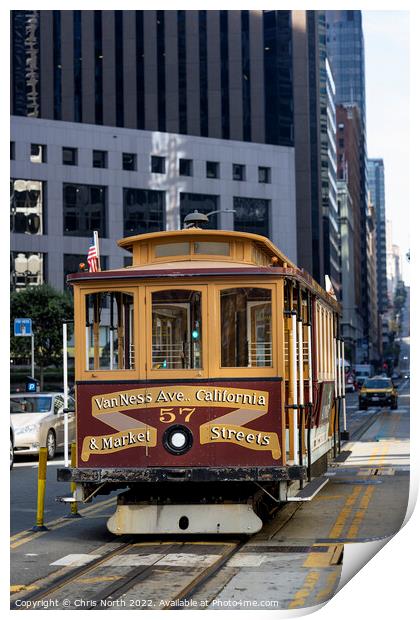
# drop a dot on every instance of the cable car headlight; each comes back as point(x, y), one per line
point(177, 439)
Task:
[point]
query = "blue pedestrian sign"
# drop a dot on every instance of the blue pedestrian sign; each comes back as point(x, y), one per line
point(23, 327)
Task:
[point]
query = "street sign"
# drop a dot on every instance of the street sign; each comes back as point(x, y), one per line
point(23, 327)
point(31, 385)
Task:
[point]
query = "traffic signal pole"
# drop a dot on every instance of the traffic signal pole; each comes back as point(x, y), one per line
point(32, 355)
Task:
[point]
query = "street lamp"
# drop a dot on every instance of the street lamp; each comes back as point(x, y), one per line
point(196, 219)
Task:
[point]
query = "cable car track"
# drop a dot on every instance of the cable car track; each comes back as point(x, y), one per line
point(68, 587)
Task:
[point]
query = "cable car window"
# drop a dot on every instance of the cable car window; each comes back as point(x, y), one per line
point(109, 331)
point(210, 247)
point(172, 249)
point(176, 330)
point(246, 328)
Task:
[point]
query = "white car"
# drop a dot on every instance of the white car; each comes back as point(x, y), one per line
point(38, 421)
point(12, 443)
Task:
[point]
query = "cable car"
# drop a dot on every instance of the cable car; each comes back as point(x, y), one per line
point(207, 383)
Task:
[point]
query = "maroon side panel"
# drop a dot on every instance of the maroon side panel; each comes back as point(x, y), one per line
point(252, 432)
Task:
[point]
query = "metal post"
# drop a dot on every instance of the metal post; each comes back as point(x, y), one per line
point(32, 356)
point(293, 355)
point(66, 398)
point(343, 388)
point(73, 506)
point(310, 403)
point(345, 434)
point(301, 394)
point(42, 482)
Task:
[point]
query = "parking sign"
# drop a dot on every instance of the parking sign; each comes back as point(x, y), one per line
point(23, 327)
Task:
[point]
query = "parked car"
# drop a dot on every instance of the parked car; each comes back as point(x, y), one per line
point(12, 444)
point(378, 391)
point(38, 421)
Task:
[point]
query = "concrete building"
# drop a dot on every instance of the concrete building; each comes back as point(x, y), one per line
point(374, 346)
point(329, 178)
point(376, 176)
point(349, 137)
point(345, 46)
point(121, 183)
point(124, 121)
point(351, 327)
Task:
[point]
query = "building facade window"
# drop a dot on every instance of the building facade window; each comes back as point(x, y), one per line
point(238, 172)
point(161, 70)
point(77, 65)
point(140, 69)
point(186, 167)
point(84, 210)
point(204, 203)
point(278, 81)
point(27, 269)
point(99, 159)
point(224, 74)
point(57, 64)
point(144, 211)
point(99, 108)
point(129, 161)
point(26, 63)
point(202, 45)
point(246, 76)
point(264, 174)
point(26, 206)
point(38, 154)
point(252, 215)
point(69, 156)
point(182, 73)
point(157, 164)
point(212, 169)
point(119, 68)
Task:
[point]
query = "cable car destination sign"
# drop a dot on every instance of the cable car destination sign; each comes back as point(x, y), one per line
point(196, 406)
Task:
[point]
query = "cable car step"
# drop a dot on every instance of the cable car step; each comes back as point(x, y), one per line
point(65, 500)
point(309, 491)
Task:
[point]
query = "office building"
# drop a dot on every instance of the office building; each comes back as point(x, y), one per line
point(345, 46)
point(376, 176)
point(127, 120)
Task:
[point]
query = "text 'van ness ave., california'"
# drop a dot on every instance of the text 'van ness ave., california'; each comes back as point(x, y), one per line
point(151, 397)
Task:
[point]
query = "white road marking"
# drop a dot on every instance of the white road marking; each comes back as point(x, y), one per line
point(133, 559)
point(188, 559)
point(75, 559)
point(247, 559)
point(34, 465)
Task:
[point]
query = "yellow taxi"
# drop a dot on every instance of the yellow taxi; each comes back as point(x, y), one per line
point(378, 391)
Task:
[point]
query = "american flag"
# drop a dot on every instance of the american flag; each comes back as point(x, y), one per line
point(93, 255)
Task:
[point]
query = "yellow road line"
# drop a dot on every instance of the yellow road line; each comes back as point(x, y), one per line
point(55, 525)
point(321, 560)
point(21, 588)
point(98, 579)
point(344, 513)
point(325, 593)
point(360, 514)
point(302, 594)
